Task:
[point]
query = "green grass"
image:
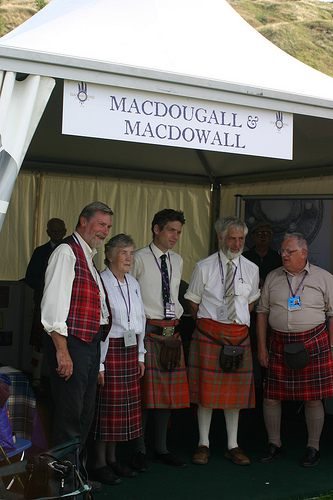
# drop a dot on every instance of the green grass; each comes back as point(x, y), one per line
point(2, 26)
point(325, 497)
point(303, 29)
point(40, 4)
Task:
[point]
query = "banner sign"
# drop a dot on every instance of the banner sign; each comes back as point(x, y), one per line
point(91, 110)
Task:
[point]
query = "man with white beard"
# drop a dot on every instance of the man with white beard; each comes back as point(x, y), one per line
point(222, 291)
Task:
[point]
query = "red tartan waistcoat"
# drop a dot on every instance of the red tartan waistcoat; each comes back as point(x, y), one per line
point(84, 315)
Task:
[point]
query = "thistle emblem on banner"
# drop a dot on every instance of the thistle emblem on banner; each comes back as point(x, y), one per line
point(279, 120)
point(82, 94)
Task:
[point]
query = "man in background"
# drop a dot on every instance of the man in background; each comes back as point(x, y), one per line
point(261, 253)
point(34, 277)
point(267, 260)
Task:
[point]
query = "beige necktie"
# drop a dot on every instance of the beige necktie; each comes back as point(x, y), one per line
point(230, 292)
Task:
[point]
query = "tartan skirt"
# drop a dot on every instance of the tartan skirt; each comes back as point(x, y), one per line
point(312, 383)
point(209, 386)
point(118, 403)
point(161, 388)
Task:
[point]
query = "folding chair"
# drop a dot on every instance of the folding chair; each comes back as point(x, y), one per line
point(13, 469)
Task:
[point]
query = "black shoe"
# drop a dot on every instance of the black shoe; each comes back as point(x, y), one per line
point(139, 462)
point(169, 459)
point(122, 470)
point(105, 475)
point(311, 457)
point(271, 453)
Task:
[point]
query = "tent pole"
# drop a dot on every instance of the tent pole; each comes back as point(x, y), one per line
point(37, 211)
point(215, 204)
point(238, 205)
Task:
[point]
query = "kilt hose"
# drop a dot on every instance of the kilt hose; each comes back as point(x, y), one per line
point(312, 383)
point(162, 388)
point(209, 386)
point(118, 404)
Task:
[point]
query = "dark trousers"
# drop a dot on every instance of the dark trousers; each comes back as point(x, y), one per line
point(74, 399)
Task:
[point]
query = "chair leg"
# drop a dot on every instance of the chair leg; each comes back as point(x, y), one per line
point(9, 462)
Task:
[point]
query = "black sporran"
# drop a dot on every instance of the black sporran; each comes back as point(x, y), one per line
point(170, 353)
point(231, 357)
point(295, 355)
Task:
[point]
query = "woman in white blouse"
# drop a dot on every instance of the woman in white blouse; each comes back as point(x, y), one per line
point(118, 404)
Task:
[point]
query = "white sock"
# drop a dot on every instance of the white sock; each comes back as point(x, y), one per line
point(204, 420)
point(231, 422)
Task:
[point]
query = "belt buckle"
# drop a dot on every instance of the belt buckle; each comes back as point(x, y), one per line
point(168, 331)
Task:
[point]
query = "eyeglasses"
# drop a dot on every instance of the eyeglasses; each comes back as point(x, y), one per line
point(263, 233)
point(286, 251)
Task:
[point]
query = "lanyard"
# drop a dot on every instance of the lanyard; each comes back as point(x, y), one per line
point(299, 286)
point(159, 267)
point(128, 306)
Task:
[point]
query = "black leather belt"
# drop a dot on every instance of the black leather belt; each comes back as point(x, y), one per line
point(166, 331)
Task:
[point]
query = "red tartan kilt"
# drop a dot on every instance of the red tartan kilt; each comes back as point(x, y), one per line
point(118, 403)
point(161, 388)
point(311, 384)
point(209, 385)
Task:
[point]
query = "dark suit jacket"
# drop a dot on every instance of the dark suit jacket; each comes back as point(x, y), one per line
point(34, 276)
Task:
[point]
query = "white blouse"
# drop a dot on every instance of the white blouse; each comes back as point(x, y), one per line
point(120, 312)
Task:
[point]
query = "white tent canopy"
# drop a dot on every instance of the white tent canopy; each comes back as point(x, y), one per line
point(186, 42)
point(187, 48)
point(21, 106)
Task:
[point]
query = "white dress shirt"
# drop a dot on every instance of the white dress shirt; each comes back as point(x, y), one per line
point(120, 310)
point(59, 278)
point(207, 290)
point(147, 273)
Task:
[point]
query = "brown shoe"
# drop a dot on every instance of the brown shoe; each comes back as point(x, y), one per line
point(237, 456)
point(201, 455)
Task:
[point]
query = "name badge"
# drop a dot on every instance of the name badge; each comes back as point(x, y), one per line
point(294, 303)
point(129, 338)
point(104, 309)
point(222, 313)
point(170, 310)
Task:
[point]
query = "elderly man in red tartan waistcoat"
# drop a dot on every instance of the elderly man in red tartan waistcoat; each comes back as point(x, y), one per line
point(75, 314)
point(295, 301)
point(222, 291)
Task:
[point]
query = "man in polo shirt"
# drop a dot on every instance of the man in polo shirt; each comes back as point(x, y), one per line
point(295, 301)
point(221, 293)
point(158, 271)
point(75, 314)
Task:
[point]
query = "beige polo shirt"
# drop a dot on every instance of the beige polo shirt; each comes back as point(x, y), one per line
point(315, 292)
